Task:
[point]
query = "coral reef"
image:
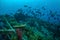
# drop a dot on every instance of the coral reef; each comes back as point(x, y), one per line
point(22, 26)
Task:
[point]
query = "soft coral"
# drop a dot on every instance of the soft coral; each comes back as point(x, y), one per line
point(19, 33)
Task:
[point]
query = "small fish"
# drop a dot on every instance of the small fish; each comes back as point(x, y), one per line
point(38, 11)
point(43, 8)
point(25, 6)
point(33, 12)
point(54, 18)
point(58, 15)
point(50, 11)
point(29, 7)
point(52, 14)
point(20, 10)
point(35, 9)
point(58, 19)
point(48, 19)
point(43, 14)
point(56, 12)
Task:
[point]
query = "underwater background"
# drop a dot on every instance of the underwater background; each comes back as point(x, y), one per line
point(29, 19)
point(11, 6)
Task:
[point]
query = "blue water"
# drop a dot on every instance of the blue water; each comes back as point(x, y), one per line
point(11, 6)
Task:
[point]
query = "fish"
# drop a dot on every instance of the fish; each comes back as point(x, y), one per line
point(50, 11)
point(43, 14)
point(58, 15)
point(43, 8)
point(29, 7)
point(25, 5)
point(38, 11)
point(32, 12)
point(52, 14)
point(54, 18)
point(48, 19)
point(19, 10)
point(57, 18)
